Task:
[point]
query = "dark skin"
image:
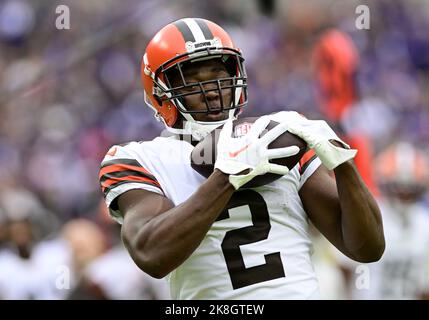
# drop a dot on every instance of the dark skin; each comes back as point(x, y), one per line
point(161, 236)
point(345, 212)
point(203, 71)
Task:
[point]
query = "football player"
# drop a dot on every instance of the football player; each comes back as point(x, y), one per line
point(402, 273)
point(211, 238)
point(335, 66)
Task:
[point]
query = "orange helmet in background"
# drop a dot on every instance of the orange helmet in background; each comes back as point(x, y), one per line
point(188, 40)
point(402, 171)
point(336, 61)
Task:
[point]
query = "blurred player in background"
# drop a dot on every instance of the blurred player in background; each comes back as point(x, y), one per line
point(99, 276)
point(402, 272)
point(197, 231)
point(336, 64)
point(335, 67)
point(28, 264)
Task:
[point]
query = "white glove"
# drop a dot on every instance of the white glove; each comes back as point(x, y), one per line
point(234, 155)
point(317, 134)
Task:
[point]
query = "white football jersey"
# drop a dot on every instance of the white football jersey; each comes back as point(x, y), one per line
point(259, 247)
point(130, 283)
point(45, 275)
point(402, 272)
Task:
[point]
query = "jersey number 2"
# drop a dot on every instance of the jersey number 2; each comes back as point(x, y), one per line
point(239, 274)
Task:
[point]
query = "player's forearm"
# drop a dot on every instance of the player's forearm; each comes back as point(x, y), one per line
point(169, 239)
point(361, 221)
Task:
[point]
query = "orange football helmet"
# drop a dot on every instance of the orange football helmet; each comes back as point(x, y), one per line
point(336, 59)
point(402, 171)
point(190, 39)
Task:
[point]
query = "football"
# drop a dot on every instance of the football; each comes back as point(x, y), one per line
point(203, 156)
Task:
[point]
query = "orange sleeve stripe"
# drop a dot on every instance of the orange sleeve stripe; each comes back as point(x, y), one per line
point(110, 182)
point(122, 167)
point(116, 172)
point(306, 160)
point(306, 157)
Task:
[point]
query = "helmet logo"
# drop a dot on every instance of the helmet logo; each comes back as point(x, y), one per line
point(192, 46)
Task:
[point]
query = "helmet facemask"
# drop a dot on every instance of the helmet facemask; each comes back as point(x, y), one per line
point(164, 89)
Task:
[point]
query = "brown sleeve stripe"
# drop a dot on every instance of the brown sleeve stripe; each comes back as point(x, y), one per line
point(125, 167)
point(124, 173)
point(111, 183)
point(109, 178)
point(106, 190)
point(119, 171)
point(123, 164)
point(306, 159)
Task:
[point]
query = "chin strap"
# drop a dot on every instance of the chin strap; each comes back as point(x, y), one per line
point(199, 129)
point(196, 130)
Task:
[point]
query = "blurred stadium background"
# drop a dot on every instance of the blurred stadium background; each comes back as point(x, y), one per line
point(67, 95)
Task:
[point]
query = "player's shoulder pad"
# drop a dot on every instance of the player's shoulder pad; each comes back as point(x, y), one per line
point(121, 150)
point(120, 165)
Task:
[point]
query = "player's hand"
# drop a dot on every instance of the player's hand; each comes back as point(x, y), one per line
point(250, 152)
point(318, 136)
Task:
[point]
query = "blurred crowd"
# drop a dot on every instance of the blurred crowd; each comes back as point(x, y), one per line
point(66, 96)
